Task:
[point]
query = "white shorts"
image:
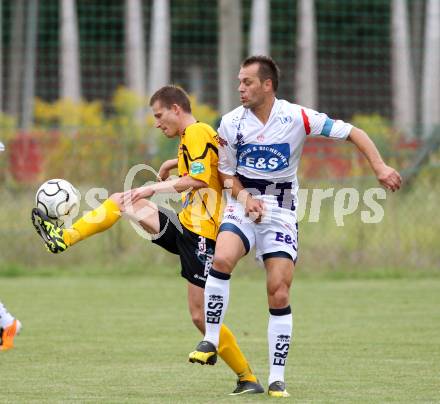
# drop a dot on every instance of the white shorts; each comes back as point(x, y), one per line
point(275, 236)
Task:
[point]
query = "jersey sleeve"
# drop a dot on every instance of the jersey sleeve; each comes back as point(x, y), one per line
point(199, 151)
point(319, 124)
point(227, 153)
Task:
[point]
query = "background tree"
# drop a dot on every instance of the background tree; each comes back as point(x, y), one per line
point(160, 46)
point(402, 74)
point(431, 69)
point(135, 69)
point(230, 52)
point(16, 58)
point(70, 74)
point(306, 72)
point(259, 36)
point(29, 64)
point(1, 56)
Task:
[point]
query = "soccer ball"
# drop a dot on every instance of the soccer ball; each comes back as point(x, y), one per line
point(58, 199)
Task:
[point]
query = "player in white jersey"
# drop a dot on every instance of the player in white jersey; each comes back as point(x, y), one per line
point(261, 145)
point(9, 328)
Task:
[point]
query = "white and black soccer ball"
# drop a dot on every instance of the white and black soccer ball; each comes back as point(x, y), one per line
point(58, 199)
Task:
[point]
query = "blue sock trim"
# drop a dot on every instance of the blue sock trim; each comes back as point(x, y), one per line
point(219, 275)
point(234, 229)
point(281, 312)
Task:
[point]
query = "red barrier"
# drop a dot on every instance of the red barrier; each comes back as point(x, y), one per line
point(25, 158)
point(325, 155)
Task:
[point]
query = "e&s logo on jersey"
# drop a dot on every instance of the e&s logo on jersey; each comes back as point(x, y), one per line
point(268, 158)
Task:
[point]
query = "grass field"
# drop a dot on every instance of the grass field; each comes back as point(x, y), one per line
point(120, 339)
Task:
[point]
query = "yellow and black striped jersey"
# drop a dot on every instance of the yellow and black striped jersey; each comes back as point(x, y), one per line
point(198, 157)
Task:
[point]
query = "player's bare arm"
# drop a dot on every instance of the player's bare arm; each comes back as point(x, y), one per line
point(253, 207)
point(177, 185)
point(165, 168)
point(386, 175)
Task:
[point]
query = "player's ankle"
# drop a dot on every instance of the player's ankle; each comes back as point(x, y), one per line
point(248, 378)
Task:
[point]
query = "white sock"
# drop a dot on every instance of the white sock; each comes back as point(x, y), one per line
point(279, 332)
point(5, 318)
point(216, 303)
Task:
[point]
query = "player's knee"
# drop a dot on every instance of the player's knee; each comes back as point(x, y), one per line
point(278, 296)
point(222, 263)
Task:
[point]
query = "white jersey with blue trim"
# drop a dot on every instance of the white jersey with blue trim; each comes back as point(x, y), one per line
point(272, 152)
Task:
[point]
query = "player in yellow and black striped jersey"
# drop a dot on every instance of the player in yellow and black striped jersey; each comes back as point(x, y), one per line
point(198, 158)
point(191, 234)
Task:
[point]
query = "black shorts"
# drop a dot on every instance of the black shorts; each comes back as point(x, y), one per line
point(196, 252)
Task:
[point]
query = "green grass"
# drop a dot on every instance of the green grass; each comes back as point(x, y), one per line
point(113, 340)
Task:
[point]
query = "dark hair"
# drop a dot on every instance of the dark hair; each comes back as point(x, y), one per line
point(267, 68)
point(169, 95)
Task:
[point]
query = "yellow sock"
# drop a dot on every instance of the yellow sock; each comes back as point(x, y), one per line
point(95, 221)
point(230, 352)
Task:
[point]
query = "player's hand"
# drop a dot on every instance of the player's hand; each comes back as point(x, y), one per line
point(164, 172)
point(389, 178)
point(254, 209)
point(133, 195)
point(165, 168)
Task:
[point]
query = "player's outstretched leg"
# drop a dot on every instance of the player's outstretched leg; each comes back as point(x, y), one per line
point(96, 221)
point(51, 234)
point(8, 334)
point(205, 354)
